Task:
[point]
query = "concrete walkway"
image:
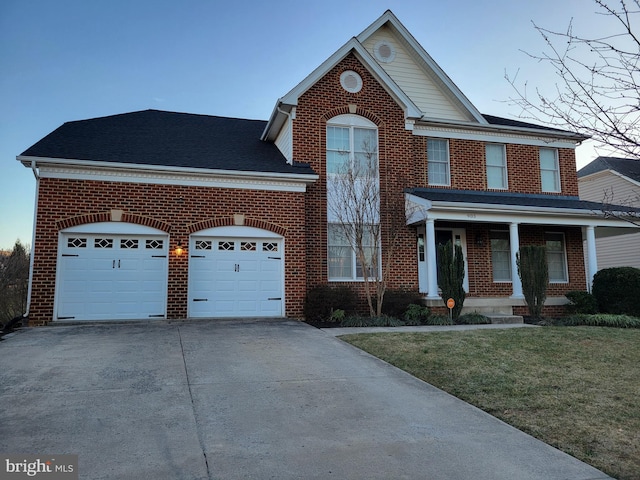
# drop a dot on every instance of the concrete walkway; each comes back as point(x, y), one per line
point(246, 400)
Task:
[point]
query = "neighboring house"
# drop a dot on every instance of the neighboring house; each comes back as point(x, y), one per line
point(617, 181)
point(170, 215)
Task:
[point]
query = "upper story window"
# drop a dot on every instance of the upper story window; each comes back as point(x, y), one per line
point(556, 257)
point(352, 144)
point(438, 161)
point(549, 170)
point(496, 166)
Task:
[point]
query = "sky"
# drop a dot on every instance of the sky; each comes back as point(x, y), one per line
point(77, 59)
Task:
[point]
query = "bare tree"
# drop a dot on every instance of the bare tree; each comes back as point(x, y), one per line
point(14, 281)
point(598, 78)
point(621, 209)
point(361, 219)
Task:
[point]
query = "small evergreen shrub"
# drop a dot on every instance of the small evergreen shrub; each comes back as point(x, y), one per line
point(382, 321)
point(473, 319)
point(451, 275)
point(533, 271)
point(396, 302)
point(322, 301)
point(416, 315)
point(600, 320)
point(617, 290)
point(581, 302)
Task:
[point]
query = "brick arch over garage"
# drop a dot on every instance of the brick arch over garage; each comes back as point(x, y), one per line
point(111, 216)
point(233, 221)
point(345, 110)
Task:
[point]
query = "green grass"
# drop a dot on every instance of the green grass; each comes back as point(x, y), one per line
point(576, 388)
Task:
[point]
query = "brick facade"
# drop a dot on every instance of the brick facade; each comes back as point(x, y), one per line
point(177, 210)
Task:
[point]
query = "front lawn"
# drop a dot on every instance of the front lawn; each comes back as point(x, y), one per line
point(576, 388)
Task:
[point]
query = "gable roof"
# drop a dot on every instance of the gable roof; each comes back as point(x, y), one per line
point(169, 139)
point(628, 167)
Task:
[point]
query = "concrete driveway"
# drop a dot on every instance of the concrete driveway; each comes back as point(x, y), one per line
point(246, 400)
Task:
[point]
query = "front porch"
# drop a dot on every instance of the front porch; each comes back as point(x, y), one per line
point(490, 227)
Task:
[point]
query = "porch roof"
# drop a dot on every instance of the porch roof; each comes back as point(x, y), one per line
point(507, 207)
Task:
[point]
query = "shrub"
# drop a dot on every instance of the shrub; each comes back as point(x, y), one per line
point(396, 302)
point(473, 319)
point(382, 321)
point(534, 274)
point(601, 320)
point(581, 302)
point(451, 275)
point(322, 301)
point(416, 315)
point(617, 290)
point(439, 320)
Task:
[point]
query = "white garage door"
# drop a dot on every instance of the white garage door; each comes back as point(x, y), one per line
point(235, 277)
point(112, 276)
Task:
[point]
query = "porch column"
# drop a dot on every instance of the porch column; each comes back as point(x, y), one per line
point(432, 268)
point(592, 266)
point(514, 242)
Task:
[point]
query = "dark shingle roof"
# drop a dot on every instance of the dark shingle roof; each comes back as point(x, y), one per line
point(507, 122)
point(629, 167)
point(505, 198)
point(153, 137)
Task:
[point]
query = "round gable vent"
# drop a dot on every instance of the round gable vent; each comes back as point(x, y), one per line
point(384, 51)
point(351, 81)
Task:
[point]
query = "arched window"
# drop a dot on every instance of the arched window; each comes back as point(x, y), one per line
point(353, 203)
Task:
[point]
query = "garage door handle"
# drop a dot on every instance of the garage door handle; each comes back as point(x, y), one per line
point(200, 299)
point(114, 264)
point(118, 263)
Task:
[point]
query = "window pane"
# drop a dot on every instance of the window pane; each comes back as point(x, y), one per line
point(549, 170)
point(338, 139)
point(438, 161)
point(556, 257)
point(337, 162)
point(340, 253)
point(496, 166)
point(500, 256)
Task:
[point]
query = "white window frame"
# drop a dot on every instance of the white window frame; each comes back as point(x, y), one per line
point(553, 173)
point(354, 265)
point(507, 253)
point(501, 167)
point(352, 122)
point(433, 162)
point(562, 255)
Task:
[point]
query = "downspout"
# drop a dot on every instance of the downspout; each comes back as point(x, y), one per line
point(34, 169)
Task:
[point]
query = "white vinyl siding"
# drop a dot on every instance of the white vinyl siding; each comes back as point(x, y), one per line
point(438, 162)
point(500, 256)
point(549, 170)
point(284, 141)
point(423, 90)
point(556, 257)
point(496, 166)
point(619, 250)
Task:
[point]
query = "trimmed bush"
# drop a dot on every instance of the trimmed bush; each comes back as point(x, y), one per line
point(416, 315)
point(600, 320)
point(581, 302)
point(382, 321)
point(617, 290)
point(396, 302)
point(322, 301)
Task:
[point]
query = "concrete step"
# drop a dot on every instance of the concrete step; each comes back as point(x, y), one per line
point(502, 319)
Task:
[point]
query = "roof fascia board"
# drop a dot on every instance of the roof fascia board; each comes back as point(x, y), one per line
point(496, 136)
point(442, 77)
point(430, 124)
point(110, 171)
